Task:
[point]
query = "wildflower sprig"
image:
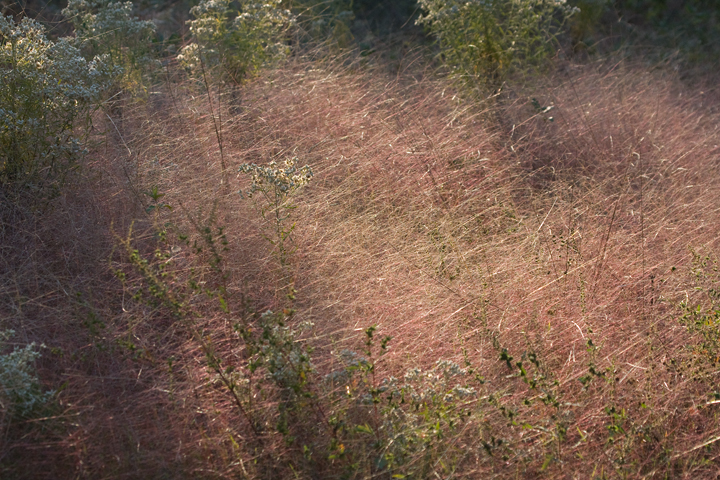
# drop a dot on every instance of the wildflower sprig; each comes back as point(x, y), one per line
point(276, 185)
point(286, 360)
point(283, 180)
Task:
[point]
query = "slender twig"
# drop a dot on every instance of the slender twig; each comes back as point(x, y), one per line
point(642, 231)
point(697, 447)
point(218, 128)
point(603, 249)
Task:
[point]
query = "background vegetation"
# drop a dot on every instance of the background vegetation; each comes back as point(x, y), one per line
point(358, 239)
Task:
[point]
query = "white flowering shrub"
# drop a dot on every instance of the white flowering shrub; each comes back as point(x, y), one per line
point(414, 415)
point(272, 344)
point(423, 410)
point(485, 39)
point(20, 391)
point(233, 44)
point(48, 89)
point(108, 27)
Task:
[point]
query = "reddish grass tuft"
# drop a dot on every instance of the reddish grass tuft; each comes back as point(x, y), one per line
point(456, 234)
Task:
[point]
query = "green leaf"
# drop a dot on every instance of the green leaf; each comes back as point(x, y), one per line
point(223, 304)
point(364, 429)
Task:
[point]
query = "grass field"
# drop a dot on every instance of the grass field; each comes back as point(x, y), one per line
point(558, 242)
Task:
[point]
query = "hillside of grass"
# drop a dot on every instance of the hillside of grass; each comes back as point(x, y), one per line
point(333, 253)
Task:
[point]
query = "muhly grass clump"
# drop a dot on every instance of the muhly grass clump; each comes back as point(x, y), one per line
point(535, 256)
point(546, 315)
point(527, 332)
point(524, 372)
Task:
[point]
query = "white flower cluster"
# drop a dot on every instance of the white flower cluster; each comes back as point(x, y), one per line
point(46, 87)
point(352, 362)
point(264, 13)
point(238, 45)
point(53, 71)
point(96, 20)
point(435, 384)
point(108, 27)
point(20, 389)
point(282, 180)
